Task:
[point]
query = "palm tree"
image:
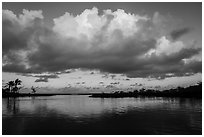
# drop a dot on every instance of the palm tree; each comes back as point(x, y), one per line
point(16, 83)
point(10, 85)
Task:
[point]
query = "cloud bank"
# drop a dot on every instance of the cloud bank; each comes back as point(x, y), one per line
point(114, 42)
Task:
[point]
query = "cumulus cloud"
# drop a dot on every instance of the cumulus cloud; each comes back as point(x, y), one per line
point(18, 30)
point(89, 23)
point(114, 42)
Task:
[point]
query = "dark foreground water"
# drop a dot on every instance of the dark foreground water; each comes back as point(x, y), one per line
point(83, 115)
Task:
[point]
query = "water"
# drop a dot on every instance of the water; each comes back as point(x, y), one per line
point(74, 114)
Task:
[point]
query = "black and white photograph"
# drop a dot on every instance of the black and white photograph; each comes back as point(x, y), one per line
point(101, 68)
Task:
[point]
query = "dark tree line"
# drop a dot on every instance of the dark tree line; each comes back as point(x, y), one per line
point(189, 92)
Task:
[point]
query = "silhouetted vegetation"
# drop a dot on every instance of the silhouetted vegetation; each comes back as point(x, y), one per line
point(189, 92)
point(11, 88)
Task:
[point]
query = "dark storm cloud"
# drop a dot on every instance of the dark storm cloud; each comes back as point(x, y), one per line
point(51, 58)
point(158, 66)
point(176, 34)
point(50, 50)
point(14, 68)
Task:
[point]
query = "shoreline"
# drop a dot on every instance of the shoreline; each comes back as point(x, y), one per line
point(94, 95)
point(39, 94)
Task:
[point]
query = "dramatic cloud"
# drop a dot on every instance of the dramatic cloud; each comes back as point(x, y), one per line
point(18, 31)
point(114, 42)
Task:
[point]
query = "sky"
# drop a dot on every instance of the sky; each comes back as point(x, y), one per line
point(102, 46)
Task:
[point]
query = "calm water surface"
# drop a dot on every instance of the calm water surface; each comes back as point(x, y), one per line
point(74, 114)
